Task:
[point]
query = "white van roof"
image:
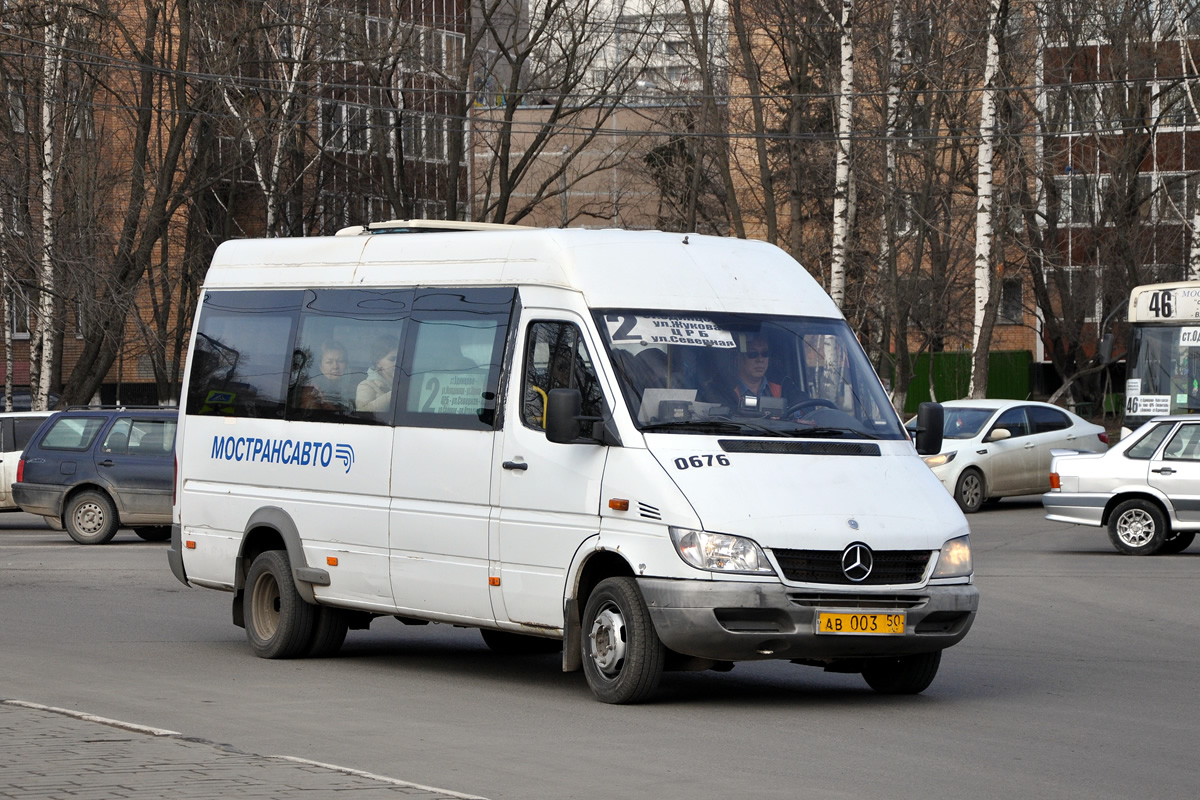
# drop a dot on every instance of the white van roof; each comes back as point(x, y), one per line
point(610, 268)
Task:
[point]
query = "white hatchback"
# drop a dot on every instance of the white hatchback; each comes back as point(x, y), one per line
point(16, 429)
point(1001, 448)
point(1145, 490)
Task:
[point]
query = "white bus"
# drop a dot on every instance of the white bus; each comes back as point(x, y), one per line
point(1161, 377)
point(551, 436)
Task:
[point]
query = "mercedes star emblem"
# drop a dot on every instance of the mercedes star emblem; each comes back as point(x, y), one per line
point(857, 562)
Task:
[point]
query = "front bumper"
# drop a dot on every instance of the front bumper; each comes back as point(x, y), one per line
point(729, 621)
point(36, 498)
point(1080, 509)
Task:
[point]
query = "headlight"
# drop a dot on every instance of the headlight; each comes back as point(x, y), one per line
point(955, 559)
point(720, 552)
point(940, 458)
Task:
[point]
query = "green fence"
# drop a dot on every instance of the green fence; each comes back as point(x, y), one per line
point(1008, 376)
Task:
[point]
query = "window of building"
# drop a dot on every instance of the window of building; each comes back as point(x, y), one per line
point(18, 309)
point(1012, 304)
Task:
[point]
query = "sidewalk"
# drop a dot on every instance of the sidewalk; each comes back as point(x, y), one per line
point(57, 754)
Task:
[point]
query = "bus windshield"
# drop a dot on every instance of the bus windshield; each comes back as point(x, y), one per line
point(743, 374)
point(1162, 372)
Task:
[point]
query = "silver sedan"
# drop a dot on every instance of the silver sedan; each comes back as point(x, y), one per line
point(1145, 489)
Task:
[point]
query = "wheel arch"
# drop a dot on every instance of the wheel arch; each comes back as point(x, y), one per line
point(597, 566)
point(1149, 497)
point(272, 528)
point(89, 486)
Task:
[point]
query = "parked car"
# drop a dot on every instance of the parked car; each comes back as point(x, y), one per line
point(1145, 490)
point(1001, 448)
point(22, 400)
point(92, 471)
point(16, 429)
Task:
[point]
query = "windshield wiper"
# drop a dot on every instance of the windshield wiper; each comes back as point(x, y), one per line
point(693, 426)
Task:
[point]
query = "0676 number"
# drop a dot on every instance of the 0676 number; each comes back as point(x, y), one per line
point(706, 460)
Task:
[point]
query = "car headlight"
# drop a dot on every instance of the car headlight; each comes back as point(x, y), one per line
point(940, 458)
point(720, 552)
point(955, 559)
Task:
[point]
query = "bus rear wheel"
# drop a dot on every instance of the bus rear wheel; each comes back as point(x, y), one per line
point(279, 624)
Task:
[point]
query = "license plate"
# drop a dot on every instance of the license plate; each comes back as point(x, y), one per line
point(859, 624)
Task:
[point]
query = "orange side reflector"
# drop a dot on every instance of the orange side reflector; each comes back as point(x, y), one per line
point(493, 581)
point(1054, 481)
point(618, 505)
point(331, 560)
point(190, 545)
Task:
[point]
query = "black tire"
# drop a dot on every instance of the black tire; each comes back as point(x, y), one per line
point(902, 675)
point(279, 624)
point(518, 644)
point(90, 518)
point(1138, 528)
point(970, 491)
point(622, 655)
point(154, 533)
point(329, 632)
point(1177, 543)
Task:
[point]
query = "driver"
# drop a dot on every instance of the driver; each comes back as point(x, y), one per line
point(752, 363)
point(750, 375)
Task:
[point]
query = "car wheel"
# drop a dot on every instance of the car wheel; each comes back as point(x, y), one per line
point(518, 644)
point(279, 624)
point(622, 655)
point(154, 533)
point(1178, 543)
point(970, 491)
point(903, 675)
point(1138, 528)
point(90, 518)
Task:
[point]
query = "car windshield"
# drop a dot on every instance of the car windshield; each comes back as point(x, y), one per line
point(745, 374)
point(965, 423)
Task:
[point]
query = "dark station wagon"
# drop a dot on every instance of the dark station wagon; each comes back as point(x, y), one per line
point(93, 471)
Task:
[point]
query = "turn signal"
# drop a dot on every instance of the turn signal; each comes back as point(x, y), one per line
point(331, 560)
point(494, 581)
point(1054, 482)
point(618, 505)
point(189, 544)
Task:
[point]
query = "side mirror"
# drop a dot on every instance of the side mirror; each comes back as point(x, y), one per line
point(930, 420)
point(563, 407)
point(1106, 349)
point(998, 435)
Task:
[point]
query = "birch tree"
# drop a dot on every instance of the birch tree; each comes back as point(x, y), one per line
point(985, 297)
point(843, 191)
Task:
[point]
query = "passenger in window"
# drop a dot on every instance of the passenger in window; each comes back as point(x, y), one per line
point(375, 393)
point(332, 388)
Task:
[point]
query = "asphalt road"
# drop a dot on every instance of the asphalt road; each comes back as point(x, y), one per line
point(1076, 681)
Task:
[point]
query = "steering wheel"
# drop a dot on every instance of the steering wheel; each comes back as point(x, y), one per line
point(805, 405)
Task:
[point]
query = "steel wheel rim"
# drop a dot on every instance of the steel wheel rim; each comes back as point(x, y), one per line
point(607, 639)
point(265, 600)
point(89, 518)
point(1135, 527)
point(972, 490)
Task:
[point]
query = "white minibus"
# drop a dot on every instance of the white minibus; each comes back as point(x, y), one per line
point(653, 451)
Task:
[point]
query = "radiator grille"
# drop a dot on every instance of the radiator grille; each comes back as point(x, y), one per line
point(825, 566)
point(793, 447)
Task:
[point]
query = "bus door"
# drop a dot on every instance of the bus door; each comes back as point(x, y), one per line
point(549, 494)
point(442, 449)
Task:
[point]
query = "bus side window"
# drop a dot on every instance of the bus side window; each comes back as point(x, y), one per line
point(557, 358)
point(449, 371)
